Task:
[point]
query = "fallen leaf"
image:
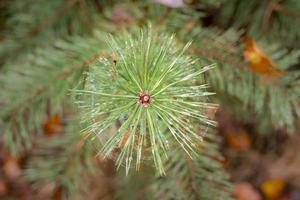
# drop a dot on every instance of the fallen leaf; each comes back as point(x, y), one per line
point(238, 140)
point(259, 61)
point(273, 188)
point(245, 191)
point(53, 126)
point(12, 168)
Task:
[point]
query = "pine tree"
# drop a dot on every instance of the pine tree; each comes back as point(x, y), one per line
point(140, 95)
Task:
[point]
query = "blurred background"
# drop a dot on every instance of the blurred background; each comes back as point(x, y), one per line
point(253, 154)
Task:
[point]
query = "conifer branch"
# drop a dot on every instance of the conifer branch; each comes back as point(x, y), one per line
point(193, 179)
point(219, 57)
point(150, 69)
point(44, 88)
point(51, 20)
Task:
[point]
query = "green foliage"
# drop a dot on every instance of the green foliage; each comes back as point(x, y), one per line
point(59, 45)
point(63, 160)
point(42, 81)
point(274, 20)
point(270, 103)
point(148, 64)
point(202, 178)
point(40, 23)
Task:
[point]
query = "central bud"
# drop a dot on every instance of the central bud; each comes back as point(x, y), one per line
point(144, 99)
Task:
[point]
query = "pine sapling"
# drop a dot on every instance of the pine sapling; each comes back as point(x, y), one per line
point(153, 91)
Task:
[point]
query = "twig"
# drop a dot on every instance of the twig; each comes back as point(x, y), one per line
point(43, 88)
point(286, 11)
point(191, 172)
point(162, 19)
point(267, 15)
point(214, 55)
point(46, 23)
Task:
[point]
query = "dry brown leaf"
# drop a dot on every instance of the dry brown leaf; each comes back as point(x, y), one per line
point(238, 140)
point(53, 126)
point(259, 61)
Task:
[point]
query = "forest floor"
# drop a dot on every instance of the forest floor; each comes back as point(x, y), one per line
point(262, 166)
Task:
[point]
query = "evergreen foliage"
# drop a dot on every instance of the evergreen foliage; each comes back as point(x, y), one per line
point(31, 92)
point(192, 179)
point(52, 162)
point(153, 89)
point(273, 20)
point(52, 48)
point(200, 178)
point(270, 102)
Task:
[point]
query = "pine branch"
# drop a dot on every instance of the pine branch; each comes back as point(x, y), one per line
point(219, 57)
point(34, 24)
point(53, 18)
point(39, 79)
point(263, 100)
point(269, 19)
point(192, 173)
point(185, 177)
point(151, 94)
point(287, 11)
point(51, 162)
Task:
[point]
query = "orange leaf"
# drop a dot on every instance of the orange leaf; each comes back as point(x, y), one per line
point(273, 189)
point(238, 140)
point(259, 61)
point(53, 126)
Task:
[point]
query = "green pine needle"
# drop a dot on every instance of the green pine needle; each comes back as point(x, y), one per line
point(153, 90)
